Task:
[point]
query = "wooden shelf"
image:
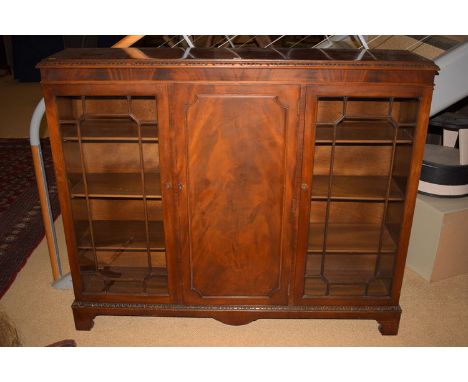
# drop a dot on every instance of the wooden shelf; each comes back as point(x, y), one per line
point(349, 238)
point(122, 257)
point(345, 187)
point(112, 130)
point(121, 235)
point(121, 280)
point(317, 287)
point(362, 132)
point(116, 185)
point(343, 268)
point(130, 273)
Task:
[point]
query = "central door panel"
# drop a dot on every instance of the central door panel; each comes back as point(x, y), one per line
point(235, 156)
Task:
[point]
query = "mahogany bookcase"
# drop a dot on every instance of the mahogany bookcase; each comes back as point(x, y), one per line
point(237, 184)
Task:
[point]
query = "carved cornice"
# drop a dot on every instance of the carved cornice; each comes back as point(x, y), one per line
point(131, 63)
point(250, 308)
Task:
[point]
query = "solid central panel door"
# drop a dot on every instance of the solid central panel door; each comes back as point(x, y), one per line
point(236, 160)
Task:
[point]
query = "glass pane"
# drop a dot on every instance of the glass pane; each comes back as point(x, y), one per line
point(99, 106)
point(126, 271)
point(116, 175)
point(69, 108)
point(363, 149)
point(111, 150)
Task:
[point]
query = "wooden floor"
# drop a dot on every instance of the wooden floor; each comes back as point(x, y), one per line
point(17, 103)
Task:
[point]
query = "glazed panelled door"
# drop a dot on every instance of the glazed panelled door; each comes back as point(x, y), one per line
point(357, 161)
point(111, 147)
point(236, 157)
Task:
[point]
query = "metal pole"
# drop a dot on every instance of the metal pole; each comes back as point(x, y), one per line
point(188, 41)
point(39, 170)
point(363, 41)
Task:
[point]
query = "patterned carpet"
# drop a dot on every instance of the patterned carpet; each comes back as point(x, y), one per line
point(21, 227)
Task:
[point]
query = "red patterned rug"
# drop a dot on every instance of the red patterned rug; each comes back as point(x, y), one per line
point(21, 227)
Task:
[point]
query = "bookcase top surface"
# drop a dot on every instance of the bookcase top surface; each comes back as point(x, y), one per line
point(152, 57)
